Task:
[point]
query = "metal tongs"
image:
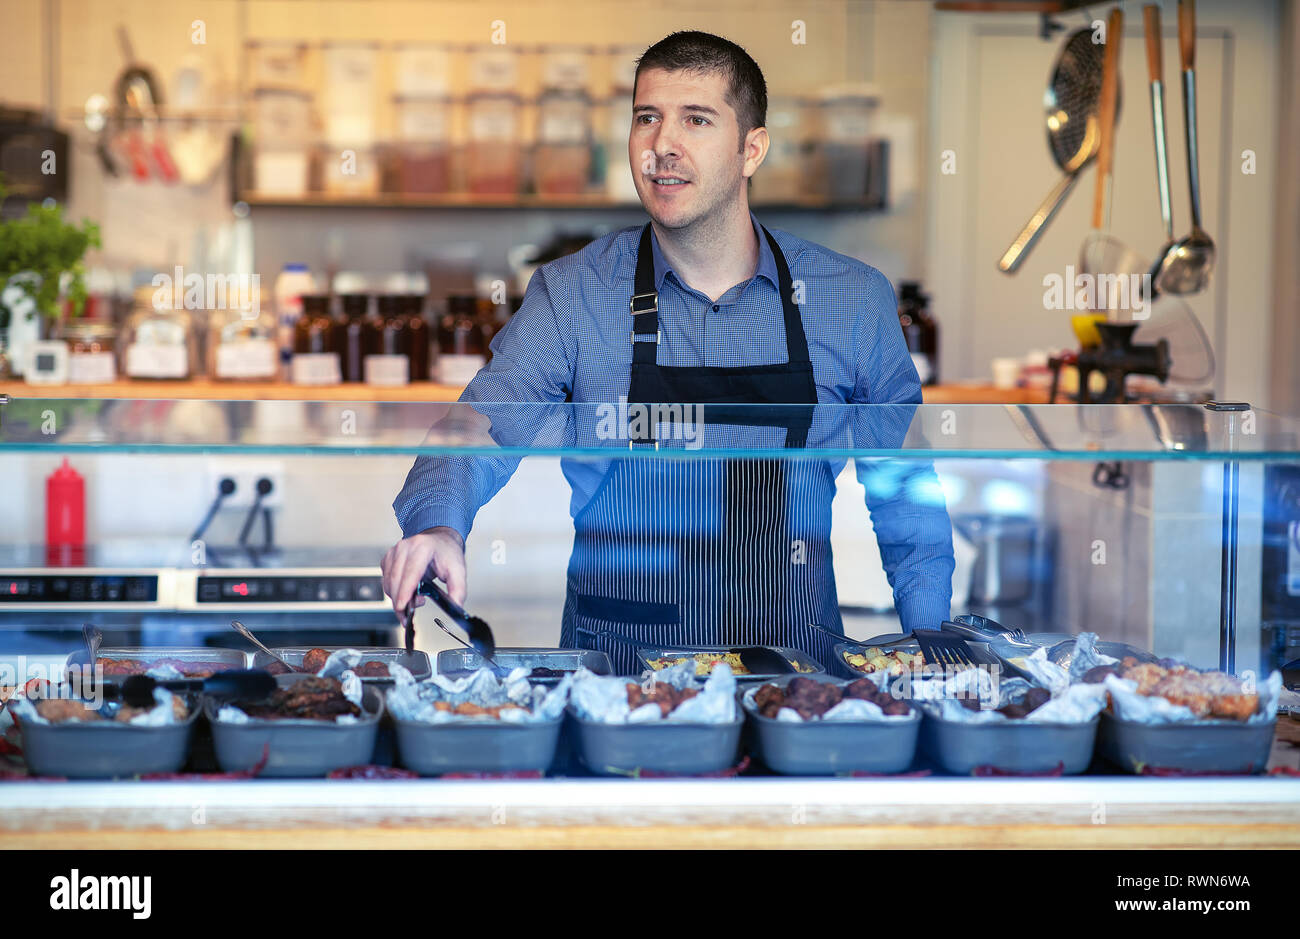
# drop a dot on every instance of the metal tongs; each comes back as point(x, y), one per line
point(480, 634)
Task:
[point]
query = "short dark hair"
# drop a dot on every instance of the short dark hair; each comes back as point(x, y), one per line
point(695, 51)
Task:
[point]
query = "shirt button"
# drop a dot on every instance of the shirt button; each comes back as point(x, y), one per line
point(715, 308)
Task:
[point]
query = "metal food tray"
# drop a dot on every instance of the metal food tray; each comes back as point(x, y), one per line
point(1015, 746)
point(790, 655)
point(843, 669)
point(477, 746)
point(417, 663)
point(235, 658)
point(822, 748)
point(460, 662)
point(1221, 746)
point(1063, 652)
point(296, 747)
point(107, 749)
point(675, 747)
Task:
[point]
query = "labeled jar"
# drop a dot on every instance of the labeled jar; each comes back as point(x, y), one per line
point(461, 350)
point(159, 341)
point(388, 360)
point(316, 344)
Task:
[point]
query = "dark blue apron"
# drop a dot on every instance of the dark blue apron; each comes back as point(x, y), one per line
point(686, 552)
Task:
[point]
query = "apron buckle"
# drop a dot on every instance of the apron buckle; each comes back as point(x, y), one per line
point(633, 443)
point(652, 308)
point(659, 336)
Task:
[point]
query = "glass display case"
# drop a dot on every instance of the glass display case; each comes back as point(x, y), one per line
point(1167, 530)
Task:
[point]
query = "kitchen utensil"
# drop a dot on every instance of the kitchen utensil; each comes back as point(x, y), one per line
point(244, 631)
point(1188, 266)
point(417, 663)
point(944, 648)
point(984, 629)
point(759, 661)
point(94, 639)
point(1156, 74)
point(408, 628)
point(497, 670)
point(1103, 255)
point(1071, 104)
point(478, 631)
point(252, 683)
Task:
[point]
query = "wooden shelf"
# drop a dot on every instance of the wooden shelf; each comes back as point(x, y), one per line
point(577, 202)
point(204, 389)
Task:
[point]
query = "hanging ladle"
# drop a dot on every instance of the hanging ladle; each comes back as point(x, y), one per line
point(1188, 264)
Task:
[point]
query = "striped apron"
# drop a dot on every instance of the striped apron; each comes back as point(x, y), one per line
point(675, 553)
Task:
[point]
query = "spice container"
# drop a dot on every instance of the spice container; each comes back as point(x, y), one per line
point(353, 331)
point(158, 339)
point(422, 69)
point(841, 167)
point(780, 178)
point(316, 344)
point(566, 68)
point(349, 95)
point(388, 360)
point(422, 155)
point(494, 154)
point(493, 68)
point(281, 131)
point(276, 64)
point(563, 157)
point(242, 345)
point(461, 350)
point(92, 351)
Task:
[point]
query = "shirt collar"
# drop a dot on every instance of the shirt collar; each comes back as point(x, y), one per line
point(766, 261)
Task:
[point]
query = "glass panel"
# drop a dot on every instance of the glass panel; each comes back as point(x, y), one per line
point(1050, 432)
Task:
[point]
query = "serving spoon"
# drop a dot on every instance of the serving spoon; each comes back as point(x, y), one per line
point(243, 630)
point(1187, 266)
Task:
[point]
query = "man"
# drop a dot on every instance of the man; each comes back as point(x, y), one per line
point(698, 307)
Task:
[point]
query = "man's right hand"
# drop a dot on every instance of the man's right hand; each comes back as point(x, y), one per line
point(440, 550)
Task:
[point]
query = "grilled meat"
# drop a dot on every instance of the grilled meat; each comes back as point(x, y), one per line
point(814, 698)
point(660, 693)
point(1206, 694)
point(310, 699)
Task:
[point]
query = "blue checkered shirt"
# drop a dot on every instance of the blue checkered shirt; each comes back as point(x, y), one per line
point(570, 339)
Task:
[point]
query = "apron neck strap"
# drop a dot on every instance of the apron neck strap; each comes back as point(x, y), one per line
point(644, 306)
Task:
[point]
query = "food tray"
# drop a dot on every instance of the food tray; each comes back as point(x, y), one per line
point(477, 746)
point(296, 747)
point(457, 663)
point(821, 748)
point(106, 749)
point(235, 658)
point(1017, 746)
point(843, 669)
point(417, 663)
point(661, 746)
point(1063, 652)
point(791, 655)
point(1229, 747)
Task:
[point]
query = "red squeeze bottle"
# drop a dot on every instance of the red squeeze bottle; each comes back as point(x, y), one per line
point(65, 508)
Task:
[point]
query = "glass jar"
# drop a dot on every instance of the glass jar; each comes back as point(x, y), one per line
point(158, 338)
point(421, 160)
point(242, 346)
point(841, 151)
point(354, 337)
point(417, 329)
point(494, 152)
point(92, 351)
point(388, 359)
point(563, 156)
point(461, 351)
point(780, 178)
point(316, 344)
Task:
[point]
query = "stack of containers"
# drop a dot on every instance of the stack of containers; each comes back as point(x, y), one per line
point(420, 160)
point(281, 117)
point(780, 178)
point(619, 185)
point(349, 156)
point(494, 146)
point(562, 161)
point(841, 169)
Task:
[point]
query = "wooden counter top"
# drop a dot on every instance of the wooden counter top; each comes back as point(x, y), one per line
point(957, 393)
point(1081, 812)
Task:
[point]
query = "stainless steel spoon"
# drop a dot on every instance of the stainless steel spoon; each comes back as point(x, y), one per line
point(1188, 265)
point(1156, 74)
point(243, 630)
point(94, 639)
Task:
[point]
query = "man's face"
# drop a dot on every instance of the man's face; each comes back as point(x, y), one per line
point(685, 146)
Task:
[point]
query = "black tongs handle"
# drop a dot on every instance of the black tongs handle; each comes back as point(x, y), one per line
point(477, 629)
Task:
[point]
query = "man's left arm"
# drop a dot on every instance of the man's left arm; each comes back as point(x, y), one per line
point(903, 496)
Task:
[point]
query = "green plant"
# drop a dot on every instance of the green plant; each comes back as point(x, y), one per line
point(37, 250)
